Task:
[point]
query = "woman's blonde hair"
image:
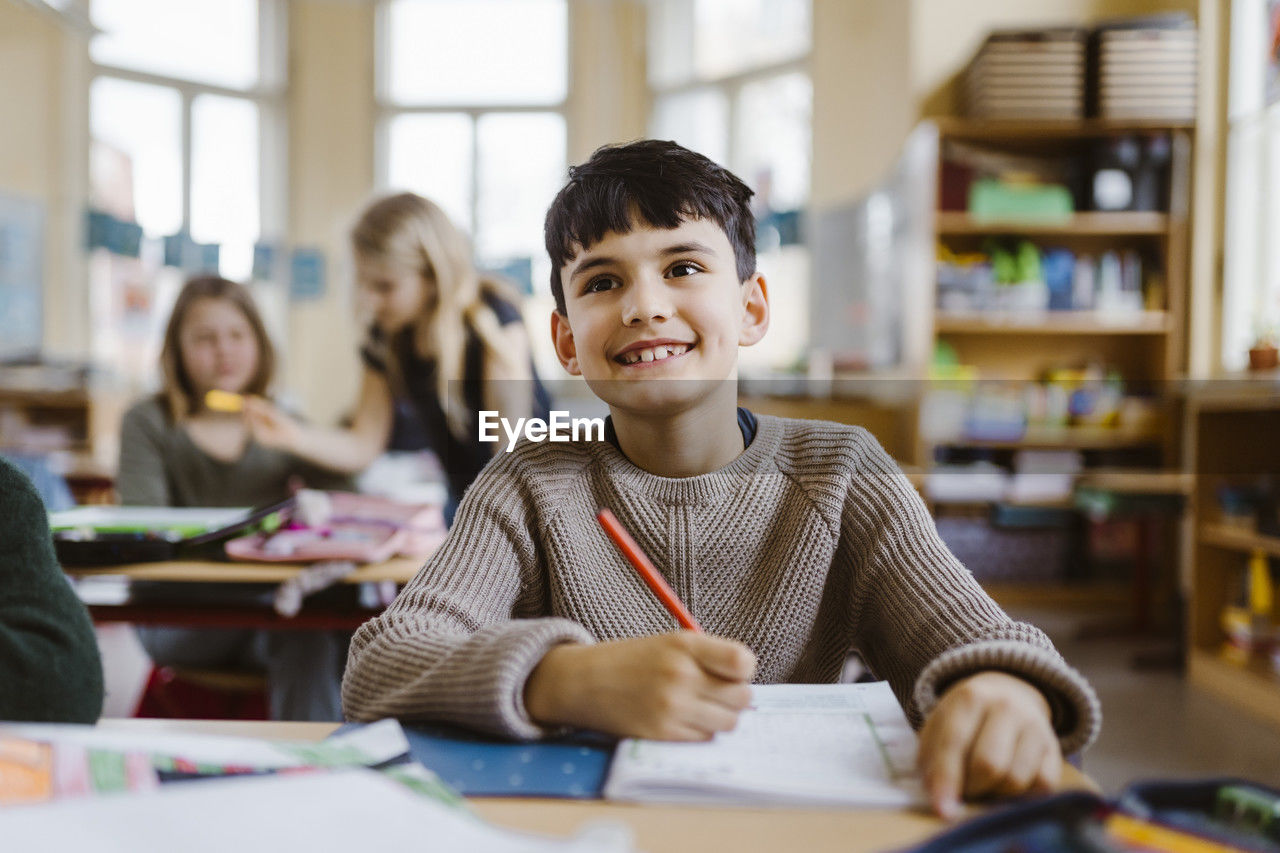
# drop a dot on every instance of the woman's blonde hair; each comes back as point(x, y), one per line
point(177, 391)
point(411, 232)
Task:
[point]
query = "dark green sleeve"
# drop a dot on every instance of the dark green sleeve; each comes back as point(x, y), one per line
point(50, 670)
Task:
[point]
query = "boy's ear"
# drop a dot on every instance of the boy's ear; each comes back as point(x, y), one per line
point(755, 310)
point(562, 338)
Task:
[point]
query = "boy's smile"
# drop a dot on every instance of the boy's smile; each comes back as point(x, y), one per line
point(657, 303)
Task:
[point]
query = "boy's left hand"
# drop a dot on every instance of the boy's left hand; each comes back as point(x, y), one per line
point(989, 735)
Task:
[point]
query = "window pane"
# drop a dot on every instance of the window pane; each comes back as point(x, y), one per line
point(224, 180)
point(1269, 304)
point(706, 39)
point(698, 120)
point(476, 51)
point(210, 41)
point(1242, 256)
point(137, 163)
point(522, 166)
point(1248, 58)
point(774, 145)
point(431, 155)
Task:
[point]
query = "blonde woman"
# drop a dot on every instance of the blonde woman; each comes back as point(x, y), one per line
point(444, 337)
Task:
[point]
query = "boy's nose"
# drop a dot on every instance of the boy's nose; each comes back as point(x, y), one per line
point(646, 300)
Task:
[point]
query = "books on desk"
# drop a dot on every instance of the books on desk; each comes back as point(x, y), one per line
point(66, 787)
point(799, 744)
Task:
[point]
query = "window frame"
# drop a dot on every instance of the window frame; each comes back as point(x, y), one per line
point(386, 111)
point(731, 86)
point(270, 95)
point(1250, 286)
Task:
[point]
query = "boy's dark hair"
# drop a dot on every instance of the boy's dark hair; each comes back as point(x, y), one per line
point(661, 182)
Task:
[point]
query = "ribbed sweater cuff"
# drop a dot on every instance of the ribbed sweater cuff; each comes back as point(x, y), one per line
point(1077, 715)
point(533, 639)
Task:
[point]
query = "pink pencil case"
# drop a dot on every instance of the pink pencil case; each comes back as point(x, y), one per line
point(360, 528)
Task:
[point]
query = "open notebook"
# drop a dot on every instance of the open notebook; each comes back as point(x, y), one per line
point(799, 744)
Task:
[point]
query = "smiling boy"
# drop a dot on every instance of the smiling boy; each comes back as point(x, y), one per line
point(792, 542)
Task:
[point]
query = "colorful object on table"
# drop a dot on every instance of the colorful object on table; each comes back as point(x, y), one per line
point(648, 572)
point(1209, 816)
point(223, 401)
point(1135, 833)
point(346, 526)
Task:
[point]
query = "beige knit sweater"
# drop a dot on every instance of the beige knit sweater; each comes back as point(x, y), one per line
point(808, 545)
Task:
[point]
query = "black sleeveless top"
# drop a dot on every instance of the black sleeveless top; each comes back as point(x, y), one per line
point(461, 459)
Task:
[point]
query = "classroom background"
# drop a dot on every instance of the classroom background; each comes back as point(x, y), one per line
point(1029, 245)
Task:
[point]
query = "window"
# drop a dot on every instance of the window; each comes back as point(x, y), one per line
point(472, 116)
point(1251, 295)
point(730, 80)
point(184, 100)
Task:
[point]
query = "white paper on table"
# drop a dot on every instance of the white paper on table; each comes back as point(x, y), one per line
point(812, 744)
point(354, 809)
point(371, 744)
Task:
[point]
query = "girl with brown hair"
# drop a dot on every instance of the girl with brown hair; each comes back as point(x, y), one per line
point(176, 451)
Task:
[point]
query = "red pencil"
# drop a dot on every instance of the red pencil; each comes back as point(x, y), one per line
point(648, 572)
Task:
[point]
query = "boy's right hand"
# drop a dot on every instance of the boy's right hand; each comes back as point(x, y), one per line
point(681, 686)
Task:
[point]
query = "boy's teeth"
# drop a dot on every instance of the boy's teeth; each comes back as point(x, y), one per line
point(654, 353)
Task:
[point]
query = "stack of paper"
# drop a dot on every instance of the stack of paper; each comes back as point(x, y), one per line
point(799, 744)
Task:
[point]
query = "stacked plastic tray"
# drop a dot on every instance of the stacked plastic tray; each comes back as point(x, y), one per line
point(1028, 74)
point(1146, 69)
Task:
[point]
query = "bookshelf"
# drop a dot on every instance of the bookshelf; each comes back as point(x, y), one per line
point(1145, 345)
point(1228, 426)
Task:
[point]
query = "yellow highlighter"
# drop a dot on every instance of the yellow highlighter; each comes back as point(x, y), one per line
point(1150, 836)
point(224, 401)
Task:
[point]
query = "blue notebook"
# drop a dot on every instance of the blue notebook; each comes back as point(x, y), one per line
point(477, 765)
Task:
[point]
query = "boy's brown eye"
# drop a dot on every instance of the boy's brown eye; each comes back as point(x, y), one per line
point(682, 270)
point(598, 285)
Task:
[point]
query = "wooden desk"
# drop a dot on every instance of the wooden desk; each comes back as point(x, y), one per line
point(398, 569)
point(196, 615)
point(670, 829)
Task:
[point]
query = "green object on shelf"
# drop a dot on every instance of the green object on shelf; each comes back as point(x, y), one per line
point(992, 199)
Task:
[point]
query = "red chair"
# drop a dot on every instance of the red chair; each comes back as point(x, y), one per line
point(203, 694)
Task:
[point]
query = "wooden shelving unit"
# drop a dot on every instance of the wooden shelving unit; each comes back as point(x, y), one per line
point(1230, 426)
point(1146, 346)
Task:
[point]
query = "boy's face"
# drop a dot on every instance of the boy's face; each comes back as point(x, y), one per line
point(657, 303)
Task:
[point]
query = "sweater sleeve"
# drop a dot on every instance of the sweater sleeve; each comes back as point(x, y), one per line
point(141, 479)
point(50, 670)
point(924, 623)
point(452, 647)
